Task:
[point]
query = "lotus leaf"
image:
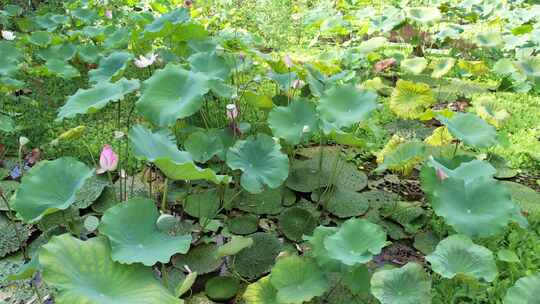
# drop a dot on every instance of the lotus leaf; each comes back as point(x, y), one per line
point(458, 254)
point(203, 145)
point(414, 65)
point(62, 178)
point(471, 129)
point(111, 67)
point(410, 100)
point(442, 66)
point(172, 93)
point(243, 224)
point(134, 236)
point(346, 246)
point(296, 222)
point(261, 292)
point(83, 272)
point(318, 250)
point(14, 236)
point(424, 15)
point(97, 97)
point(201, 259)
point(406, 285)
point(40, 38)
point(297, 280)
point(294, 122)
point(176, 16)
point(524, 291)
point(262, 162)
point(256, 260)
point(221, 288)
point(267, 202)
point(344, 106)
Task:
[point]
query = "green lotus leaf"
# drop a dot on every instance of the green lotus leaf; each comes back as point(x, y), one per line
point(243, 224)
point(62, 52)
point(258, 100)
point(344, 106)
point(185, 284)
point(458, 254)
point(410, 215)
point(256, 260)
point(14, 235)
point(261, 292)
point(89, 53)
point(8, 189)
point(235, 245)
point(54, 220)
point(318, 250)
point(87, 16)
point(40, 38)
point(489, 39)
point(346, 247)
point(371, 45)
point(441, 66)
point(426, 242)
point(83, 272)
point(221, 288)
point(62, 69)
point(410, 100)
point(177, 16)
point(471, 129)
point(111, 67)
point(414, 65)
point(172, 93)
point(424, 15)
point(203, 145)
point(201, 259)
point(209, 64)
point(298, 280)
point(97, 97)
point(160, 148)
point(296, 222)
point(269, 201)
point(404, 157)
point(134, 236)
point(523, 291)
point(205, 204)
point(261, 161)
point(406, 285)
point(478, 207)
point(6, 124)
point(90, 191)
point(61, 178)
point(527, 198)
point(343, 203)
point(294, 122)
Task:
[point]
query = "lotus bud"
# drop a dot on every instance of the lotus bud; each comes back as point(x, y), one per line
point(232, 111)
point(72, 133)
point(143, 62)
point(297, 84)
point(23, 141)
point(8, 35)
point(108, 160)
point(109, 14)
point(441, 175)
point(288, 61)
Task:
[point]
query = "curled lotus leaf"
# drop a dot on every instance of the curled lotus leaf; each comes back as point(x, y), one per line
point(346, 247)
point(458, 254)
point(62, 178)
point(97, 97)
point(261, 161)
point(111, 67)
point(344, 106)
point(406, 285)
point(83, 272)
point(134, 236)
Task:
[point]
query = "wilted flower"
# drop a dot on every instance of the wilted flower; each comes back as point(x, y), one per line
point(8, 35)
point(384, 64)
point(143, 62)
point(188, 3)
point(108, 14)
point(232, 111)
point(440, 174)
point(108, 160)
point(288, 61)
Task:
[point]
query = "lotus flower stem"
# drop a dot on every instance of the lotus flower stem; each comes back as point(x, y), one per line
point(164, 196)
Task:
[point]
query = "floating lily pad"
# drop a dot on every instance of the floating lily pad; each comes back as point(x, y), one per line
point(256, 260)
point(202, 205)
point(134, 236)
point(243, 224)
point(261, 292)
point(343, 203)
point(406, 285)
point(266, 202)
point(414, 65)
point(201, 259)
point(426, 242)
point(296, 222)
point(14, 236)
point(62, 178)
point(297, 280)
point(83, 272)
point(221, 288)
point(458, 254)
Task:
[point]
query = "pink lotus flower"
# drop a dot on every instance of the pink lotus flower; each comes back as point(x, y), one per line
point(288, 61)
point(232, 111)
point(108, 160)
point(108, 14)
point(441, 175)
